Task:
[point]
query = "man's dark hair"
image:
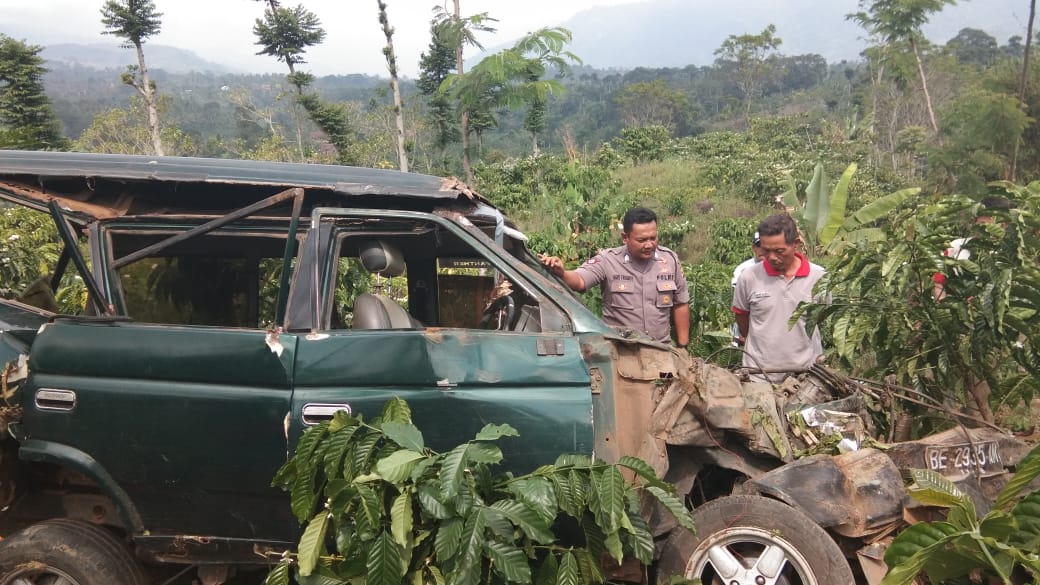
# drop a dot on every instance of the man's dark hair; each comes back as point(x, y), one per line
point(637, 215)
point(779, 223)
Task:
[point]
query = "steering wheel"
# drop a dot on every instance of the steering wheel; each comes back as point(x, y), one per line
point(493, 314)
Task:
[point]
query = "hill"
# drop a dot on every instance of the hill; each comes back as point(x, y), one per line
point(677, 33)
point(108, 56)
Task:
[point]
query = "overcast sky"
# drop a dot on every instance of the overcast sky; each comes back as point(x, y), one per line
point(221, 30)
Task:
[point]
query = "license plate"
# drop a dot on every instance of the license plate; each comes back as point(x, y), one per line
point(959, 460)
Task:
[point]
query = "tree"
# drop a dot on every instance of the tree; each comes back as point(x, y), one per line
point(897, 21)
point(134, 21)
point(434, 67)
point(749, 57)
point(27, 119)
point(978, 344)
point(650, 103)
point(391, 65)
point(974, 47)
point(1022, 82)
point(514, 77)
point(285, 34)
point(124, 131)
point(460, 32)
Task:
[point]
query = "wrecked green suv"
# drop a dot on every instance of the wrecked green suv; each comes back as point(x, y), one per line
point(226, 306)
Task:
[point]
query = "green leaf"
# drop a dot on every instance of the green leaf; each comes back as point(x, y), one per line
point(435, 573)
point(510, 562)
point(452, 469)
point(641, 539)
point(879, 208)
point(836, 214)
point(815, 197)
point(913, 548)
point(643, 470)
point(304, 496)
point(1025, 472)
point(448, 539)
point(610, 490)
point(547, 571)
point(471, 552)
point(279, 574)
point(286, 475)
point(590, 568)
point(1027, 517)
point(613, 544)
point(369, 516)
point(483, 453)
point(312, 543)
point(673, 505)
point(573, 460)
point(934, 489)
point(429, 499)
point(342, 419)
point(404, 434)
point(396, 410)
point(384, 562)
point(401, 518)
point(361, 454)
point(568, 574)
point(309, 441)
point(398, 466)
point(538, 493)
point(494, 432)
point(335, 451)
point(524, 517)
point(790, 195)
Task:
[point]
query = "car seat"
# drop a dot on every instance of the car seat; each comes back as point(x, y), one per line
point(379, 311)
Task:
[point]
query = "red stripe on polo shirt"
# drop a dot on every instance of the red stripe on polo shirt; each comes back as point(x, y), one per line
point(803, 270)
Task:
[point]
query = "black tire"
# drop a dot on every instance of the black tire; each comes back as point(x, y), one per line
point(744, 540)
point(68, 552)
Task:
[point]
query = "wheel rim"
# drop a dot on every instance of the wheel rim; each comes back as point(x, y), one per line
point(38, 575)
point(746, 555)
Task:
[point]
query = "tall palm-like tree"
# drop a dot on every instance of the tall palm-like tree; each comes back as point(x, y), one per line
point(134, 21)
point(461, 32)
point(391, 65)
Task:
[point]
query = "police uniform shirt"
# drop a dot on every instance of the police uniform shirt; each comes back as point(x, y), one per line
point(637, 295)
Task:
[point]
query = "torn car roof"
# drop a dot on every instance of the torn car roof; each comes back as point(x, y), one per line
point(100, 186)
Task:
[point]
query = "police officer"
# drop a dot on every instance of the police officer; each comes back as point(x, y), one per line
point(642, 283)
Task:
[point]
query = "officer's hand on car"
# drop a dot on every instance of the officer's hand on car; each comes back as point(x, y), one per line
point(553, 263)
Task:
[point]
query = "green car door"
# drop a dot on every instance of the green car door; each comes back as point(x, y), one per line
point(459, 366)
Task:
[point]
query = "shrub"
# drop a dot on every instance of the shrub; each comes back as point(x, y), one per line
point(380, 505)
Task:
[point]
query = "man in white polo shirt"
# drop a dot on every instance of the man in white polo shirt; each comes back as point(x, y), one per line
point(767, 295)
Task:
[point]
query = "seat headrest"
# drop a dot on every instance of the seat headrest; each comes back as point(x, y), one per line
point(379, 257)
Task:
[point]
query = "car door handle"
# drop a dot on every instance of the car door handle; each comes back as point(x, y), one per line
point(55, 399)
point(316, 413)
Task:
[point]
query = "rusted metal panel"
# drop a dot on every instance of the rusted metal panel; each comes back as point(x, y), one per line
point(855, 494)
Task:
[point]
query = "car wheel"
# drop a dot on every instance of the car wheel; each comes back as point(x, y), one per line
point(67, 552)
point(751, 540)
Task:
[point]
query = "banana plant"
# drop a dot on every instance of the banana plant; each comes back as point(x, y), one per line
point(1004, 540)
point(381, 507)
point(821, 212)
